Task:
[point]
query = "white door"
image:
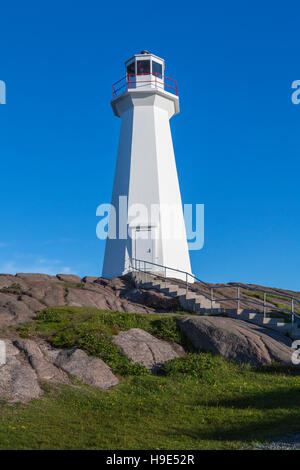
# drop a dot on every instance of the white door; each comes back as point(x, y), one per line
point(144, 246)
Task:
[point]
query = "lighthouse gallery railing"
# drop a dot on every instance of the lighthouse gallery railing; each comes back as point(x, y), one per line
point(133, 81)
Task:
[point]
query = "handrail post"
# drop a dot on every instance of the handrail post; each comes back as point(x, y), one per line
point(293, 316)
point(265, 306)
point(238, 299)
point(211, 299)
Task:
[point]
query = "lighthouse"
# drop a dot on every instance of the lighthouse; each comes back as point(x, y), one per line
point(146, 227)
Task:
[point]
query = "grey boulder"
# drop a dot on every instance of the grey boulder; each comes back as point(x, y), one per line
point(237, 340)
point(44, 368)
point(145, 349)
point(90, 370)
point(28, 362)
point(18, 380)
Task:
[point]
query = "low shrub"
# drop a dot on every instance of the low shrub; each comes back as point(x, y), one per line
point(194, 364)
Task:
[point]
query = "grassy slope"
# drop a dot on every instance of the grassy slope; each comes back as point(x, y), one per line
point(199, 402)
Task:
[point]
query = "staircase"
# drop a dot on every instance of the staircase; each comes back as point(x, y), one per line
point(190, 301)
point(266, 321)
point(199, 303)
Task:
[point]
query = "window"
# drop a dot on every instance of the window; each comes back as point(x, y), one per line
point(131, 70)
point(156, 68)
point(143, 66)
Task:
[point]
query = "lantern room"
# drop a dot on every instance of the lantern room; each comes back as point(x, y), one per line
point(145, 70)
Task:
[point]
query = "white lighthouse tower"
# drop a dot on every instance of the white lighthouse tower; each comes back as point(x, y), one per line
point(147, 228)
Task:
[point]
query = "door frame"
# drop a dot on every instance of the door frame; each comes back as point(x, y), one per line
point(153, 230)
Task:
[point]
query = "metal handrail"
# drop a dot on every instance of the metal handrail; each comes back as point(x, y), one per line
point(179, 281)
point(158, 84)
point(137, 266)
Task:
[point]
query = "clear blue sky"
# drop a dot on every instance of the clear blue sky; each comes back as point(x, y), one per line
point(237, 139)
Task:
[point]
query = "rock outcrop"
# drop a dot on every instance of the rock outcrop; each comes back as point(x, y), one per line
point(28, 363)
point(89, 370)
point(145, 349)
point(69, 278)
point(43, 365)
point(237, 340)
point(18, 380)
point(23, 295)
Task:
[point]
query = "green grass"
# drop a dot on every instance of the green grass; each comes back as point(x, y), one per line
point(52, 321)
point(225, 407)
point(92, 330)
point(200, 401)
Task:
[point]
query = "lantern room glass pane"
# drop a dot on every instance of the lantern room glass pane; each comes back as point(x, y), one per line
point(131, 71)
point(143, 66)
point(156, 68)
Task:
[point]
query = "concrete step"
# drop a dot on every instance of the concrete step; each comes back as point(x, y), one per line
point(152, 285)
point(284, 327)
point(198, 308)
point(233, 311)
point(202, 300)
point(258, 319)
point(192, 298)
point(186, 304)
point(198, 297)
point(267, 321)
point(271, 323)
point(161, 284)
point(173, 291)
point(167, 287)
point(192, 295)
point(192, 306)
point(191, 301)
point(251, 316)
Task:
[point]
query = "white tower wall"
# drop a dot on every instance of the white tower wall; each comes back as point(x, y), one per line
point(146, 173)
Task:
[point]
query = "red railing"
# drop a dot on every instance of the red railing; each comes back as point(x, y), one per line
point(132, 81)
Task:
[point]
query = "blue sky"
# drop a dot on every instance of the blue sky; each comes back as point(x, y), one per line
point(236, 139)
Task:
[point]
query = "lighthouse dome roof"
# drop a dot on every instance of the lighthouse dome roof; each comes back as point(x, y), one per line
point(143, 55)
